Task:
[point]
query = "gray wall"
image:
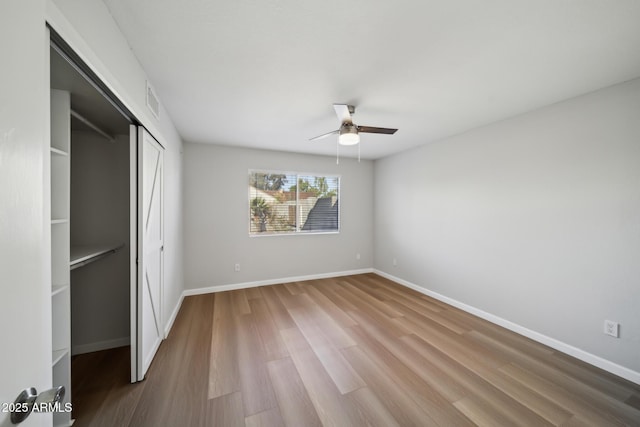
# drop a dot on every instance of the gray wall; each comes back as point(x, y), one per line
point(100, 309)
point(534, 219)
point(217, 219)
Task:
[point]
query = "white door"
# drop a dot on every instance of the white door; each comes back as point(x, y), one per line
point(150, 235)
point(25, 289)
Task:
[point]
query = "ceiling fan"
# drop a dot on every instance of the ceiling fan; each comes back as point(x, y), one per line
point(349, 132)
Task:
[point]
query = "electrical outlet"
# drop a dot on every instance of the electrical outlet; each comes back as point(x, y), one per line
point(395, 262)
point(612, 328)
point(358, 256)
point(237, 267)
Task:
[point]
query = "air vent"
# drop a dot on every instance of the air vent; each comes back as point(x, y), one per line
point(152, 101)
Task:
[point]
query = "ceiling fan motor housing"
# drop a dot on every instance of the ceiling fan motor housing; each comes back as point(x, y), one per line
point(348, 134)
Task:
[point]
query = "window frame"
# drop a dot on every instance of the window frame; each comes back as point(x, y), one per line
point(298, 229)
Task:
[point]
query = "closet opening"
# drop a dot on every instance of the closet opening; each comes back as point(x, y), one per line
point(91, 201)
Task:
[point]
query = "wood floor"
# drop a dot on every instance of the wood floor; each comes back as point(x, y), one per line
point(351, 351)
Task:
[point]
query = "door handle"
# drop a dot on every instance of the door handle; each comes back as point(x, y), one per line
point(24, 403)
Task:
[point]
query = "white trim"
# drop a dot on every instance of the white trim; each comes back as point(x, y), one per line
point(133, 250)
point(147, 362)
point(592, 359)
point(173, 316)
point(245, 285)
point(100, 345)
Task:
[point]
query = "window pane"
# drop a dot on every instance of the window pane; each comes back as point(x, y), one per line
point(276, 199)
point(318, 202)
point(272, 203)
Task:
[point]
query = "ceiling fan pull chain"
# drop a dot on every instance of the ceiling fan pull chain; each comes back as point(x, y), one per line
point(337, 152)
point(359, 152)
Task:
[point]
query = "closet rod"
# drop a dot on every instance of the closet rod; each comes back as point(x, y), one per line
point(97, 254)
point(91, 125)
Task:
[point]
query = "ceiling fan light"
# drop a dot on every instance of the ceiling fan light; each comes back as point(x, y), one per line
point(348, 136)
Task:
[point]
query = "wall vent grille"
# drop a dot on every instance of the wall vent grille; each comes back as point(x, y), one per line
point(152, 101)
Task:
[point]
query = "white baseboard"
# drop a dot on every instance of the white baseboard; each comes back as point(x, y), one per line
point(245, 285)
point(587, 357)
point(173, 316)
point(100, 345)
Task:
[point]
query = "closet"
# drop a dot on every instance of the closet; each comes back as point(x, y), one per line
point(107, 228)
point(99, 235)
point(90, 223)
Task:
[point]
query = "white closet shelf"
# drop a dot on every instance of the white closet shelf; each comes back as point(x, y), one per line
point(91, 125)
point(58, 151)
point(58, 355)
point(83, 255)
point(59, 221)
point(56, 289)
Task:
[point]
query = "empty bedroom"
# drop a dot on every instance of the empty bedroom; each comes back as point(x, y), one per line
point(320, 213)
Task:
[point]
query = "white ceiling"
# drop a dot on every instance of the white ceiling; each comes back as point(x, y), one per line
point(265, 73)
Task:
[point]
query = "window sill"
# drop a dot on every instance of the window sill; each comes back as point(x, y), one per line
point(302, 233)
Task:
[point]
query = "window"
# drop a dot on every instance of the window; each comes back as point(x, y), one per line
point(293, 203)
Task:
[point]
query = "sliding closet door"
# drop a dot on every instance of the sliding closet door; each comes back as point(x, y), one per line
point(150, 242)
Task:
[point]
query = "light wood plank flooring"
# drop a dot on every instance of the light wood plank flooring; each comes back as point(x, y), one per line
point(350, 351)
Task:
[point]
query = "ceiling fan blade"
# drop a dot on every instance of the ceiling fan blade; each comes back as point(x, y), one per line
point(371, 129)
point(343, 111)
point(335, 132)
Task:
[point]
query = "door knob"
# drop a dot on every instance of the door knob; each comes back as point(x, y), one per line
point(23, 405)
point(46, 401)
point(49, 398)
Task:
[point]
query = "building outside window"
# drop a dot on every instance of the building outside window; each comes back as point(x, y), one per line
point(293, 203)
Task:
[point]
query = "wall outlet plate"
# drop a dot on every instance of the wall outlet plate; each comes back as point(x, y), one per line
point(612, 328)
